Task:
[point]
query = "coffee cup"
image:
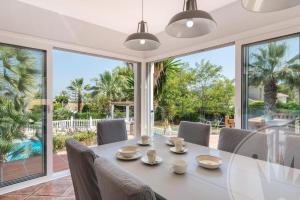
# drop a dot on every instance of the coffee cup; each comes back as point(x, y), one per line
point(173, 139)
point(151, 154)
point(179, 166)
point(178, 145)
point(145, 139)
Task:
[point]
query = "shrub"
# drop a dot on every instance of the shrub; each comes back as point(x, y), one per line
point(62, 114)
point(84, 137)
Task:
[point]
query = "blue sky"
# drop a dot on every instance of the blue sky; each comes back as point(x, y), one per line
point(68, 65)
point(224, 57)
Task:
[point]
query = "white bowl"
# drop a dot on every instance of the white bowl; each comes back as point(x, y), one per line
point(128, 151)
point(208, 161)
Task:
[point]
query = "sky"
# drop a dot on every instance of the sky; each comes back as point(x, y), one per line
point(68, 66)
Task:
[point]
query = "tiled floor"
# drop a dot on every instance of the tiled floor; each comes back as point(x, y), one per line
point(60, 189)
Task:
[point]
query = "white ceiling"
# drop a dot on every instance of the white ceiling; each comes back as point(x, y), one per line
point(123, 15)
point(76, 22)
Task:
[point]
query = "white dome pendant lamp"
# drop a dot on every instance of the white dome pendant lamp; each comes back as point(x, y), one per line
point(191, 22)
point(269, 5)
point(142, 40)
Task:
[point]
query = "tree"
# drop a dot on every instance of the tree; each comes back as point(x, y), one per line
point(108, 84)
point(62, 98)
point(126, 76)
point(17, 82)
point(269, 67)
point(162, 70)
point(77, 88)
point(206, 74)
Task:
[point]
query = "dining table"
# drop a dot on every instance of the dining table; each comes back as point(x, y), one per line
point(237, 178)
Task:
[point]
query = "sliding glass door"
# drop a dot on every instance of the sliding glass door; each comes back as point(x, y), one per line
point(270, 83)
point(22, 114)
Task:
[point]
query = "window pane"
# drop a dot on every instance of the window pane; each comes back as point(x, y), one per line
point(22, 113)
point(92, 89)
point(197, 87)
point(271, 84)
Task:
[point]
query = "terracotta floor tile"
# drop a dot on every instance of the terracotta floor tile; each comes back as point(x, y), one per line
point(49, 198)
point(28, 190)
point(13, 197)
point(53, 189)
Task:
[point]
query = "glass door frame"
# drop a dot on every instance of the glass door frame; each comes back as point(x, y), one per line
point(244, 73)
point(47, 125)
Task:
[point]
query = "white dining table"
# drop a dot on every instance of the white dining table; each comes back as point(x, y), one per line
point(238, 177)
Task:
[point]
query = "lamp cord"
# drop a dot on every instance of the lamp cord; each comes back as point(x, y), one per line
point(142, 10)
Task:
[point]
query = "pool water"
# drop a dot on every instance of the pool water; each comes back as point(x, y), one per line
point(31, 147)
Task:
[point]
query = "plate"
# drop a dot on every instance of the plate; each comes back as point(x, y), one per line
point(145, 160)
point(208, 161)
point(170, 144)
point(134, 157)
point(144, 144)
point(173, 149)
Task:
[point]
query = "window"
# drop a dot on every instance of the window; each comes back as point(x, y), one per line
point(86, 90)
point(271, 68)
point(22, 114)
point(197, 87)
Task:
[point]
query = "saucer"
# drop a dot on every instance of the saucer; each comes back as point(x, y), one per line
point(173, 149)
point(208, 161)
point(157, 161)
point(134, 157)
point(143, 144)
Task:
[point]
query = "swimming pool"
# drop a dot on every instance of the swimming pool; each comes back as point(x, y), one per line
point(31, 147)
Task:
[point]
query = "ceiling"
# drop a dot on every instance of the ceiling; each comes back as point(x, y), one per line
point(104, 25)
point(123, 15)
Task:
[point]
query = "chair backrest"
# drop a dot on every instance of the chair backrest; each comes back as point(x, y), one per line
point(292, 149)
point(109, 131)
point(194, 132)
point(81, 162)
point(117, 184)
point(244, 142)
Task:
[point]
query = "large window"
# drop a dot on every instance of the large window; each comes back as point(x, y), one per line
point(197, 87)
point(86, 90)
point(22, 114)
point(271, 82)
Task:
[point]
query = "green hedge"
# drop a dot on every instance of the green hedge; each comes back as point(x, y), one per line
point(87, 138)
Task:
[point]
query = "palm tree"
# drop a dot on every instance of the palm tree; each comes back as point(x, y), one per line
point(62, 98)
point(268, 67)
point(77, 88)
point(17, 81)
point(161, 72)
point(108, 84)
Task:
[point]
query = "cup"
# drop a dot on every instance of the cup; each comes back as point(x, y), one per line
point(173, 139)
point(145, 139)
point(178, 145)
point(151, 154)
point(179, 166)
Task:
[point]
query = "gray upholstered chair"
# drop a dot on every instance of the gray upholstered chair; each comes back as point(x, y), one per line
point(109, 131)
point(81, 162)
point(292, 151)
point(194, 132)
point(117, 184)
point(244, 142)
